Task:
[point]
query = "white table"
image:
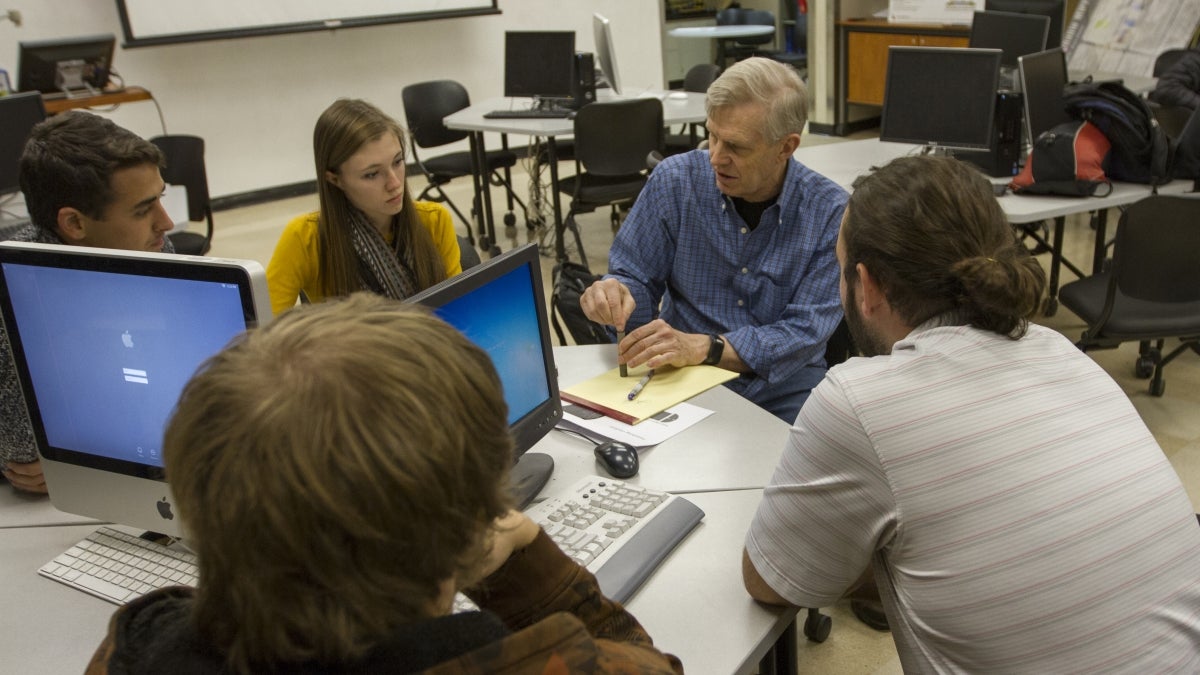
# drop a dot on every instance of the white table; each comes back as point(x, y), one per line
point(721, 34)
point(675, 111)
point(844, 162)
point(693, 605)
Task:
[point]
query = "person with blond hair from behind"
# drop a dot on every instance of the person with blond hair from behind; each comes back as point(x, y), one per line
point(342, 473)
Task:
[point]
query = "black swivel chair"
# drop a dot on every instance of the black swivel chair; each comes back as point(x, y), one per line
point(1151, 291)
point(754, 45)
point(425, 105)
point(797, 54)
point(697, 80)
point(614, 144)
point(185, 166)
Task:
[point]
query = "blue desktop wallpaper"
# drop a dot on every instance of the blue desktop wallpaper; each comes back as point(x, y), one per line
point(109, 353)
point(502, 319)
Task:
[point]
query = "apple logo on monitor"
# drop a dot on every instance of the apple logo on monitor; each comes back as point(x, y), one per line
point(127, 339)
point(164, 509)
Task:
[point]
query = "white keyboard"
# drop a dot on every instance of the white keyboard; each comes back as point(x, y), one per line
point(120, 567)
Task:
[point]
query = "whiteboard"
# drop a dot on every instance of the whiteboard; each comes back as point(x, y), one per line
point(156, 22)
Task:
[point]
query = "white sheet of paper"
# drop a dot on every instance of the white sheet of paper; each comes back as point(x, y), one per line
point(651, 431)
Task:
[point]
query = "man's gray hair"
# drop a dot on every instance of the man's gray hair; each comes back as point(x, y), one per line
point(773, 84)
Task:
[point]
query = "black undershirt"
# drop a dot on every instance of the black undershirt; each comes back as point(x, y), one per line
point(751, 212)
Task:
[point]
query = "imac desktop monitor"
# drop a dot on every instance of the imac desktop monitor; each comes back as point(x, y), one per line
point(605, 53)
point(500, 305)
point(103, 343)
point(1043, 76)
point(943, 98)
point(1054, 10)
point(539, 63)
point(65, 66)
point(18, 115)
point(1014, 34)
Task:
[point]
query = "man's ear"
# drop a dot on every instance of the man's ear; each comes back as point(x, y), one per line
point(71, 225)
point(333, 179)
point(872, 298)
point(790, 143)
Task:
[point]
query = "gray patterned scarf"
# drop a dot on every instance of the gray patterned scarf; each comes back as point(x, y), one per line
point(380, 270)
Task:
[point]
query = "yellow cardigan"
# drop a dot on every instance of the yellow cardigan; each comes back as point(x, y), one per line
point(293, 266)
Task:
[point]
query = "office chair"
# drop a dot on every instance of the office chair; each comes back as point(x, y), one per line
point(697, 80)
point(185, 166)
point(614, 142)
point(19, 113)
point(745, 47)
point(1151, 291)
point(425, 105)
point(796, 54)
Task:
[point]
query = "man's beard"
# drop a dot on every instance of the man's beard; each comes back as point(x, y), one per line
point(865, 339)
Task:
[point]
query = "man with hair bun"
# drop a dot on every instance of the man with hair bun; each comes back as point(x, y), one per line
point(995, 483)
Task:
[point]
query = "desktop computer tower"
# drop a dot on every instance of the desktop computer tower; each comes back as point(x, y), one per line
point(583, 80)
point(1004, 157)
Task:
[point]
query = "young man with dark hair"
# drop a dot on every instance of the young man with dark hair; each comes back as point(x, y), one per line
point(1013, 508)
point(87, 182)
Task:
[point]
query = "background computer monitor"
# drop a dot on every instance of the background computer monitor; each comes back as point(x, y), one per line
point(944, 98)
point(1043, 76)
point(500, 306)
point(1014, 34)
point(1055, 10)
point(605, 53)
point(538, 63)
point(66, 64)
point(103, 343)
point(18, 114)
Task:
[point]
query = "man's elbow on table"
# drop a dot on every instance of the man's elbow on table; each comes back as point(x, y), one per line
point(756, 587)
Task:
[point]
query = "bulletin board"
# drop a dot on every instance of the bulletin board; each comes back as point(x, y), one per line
point(1125, 36)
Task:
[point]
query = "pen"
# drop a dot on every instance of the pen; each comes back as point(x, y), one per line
point(623, 370)
point(637, 388)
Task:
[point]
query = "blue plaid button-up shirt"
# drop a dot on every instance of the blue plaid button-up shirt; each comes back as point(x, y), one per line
point(771, 291)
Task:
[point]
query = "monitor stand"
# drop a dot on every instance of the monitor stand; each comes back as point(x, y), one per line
point(529, 476)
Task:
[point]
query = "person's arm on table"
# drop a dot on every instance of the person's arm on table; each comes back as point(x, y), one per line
point(437, 219)
point(530, 579)
point(826, 512)
point(26, 476)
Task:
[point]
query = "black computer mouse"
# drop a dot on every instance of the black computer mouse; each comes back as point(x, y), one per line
point(619, 459)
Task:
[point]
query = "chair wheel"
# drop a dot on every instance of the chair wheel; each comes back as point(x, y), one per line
point(510, 220)
point(817, 627)
point(1050, 306)
point(1157, 387)
point(1143, 367)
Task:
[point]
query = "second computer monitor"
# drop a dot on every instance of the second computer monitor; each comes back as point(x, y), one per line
point(605, 54)
point(65, 65)
point(944, 98)
point(1043, 76)
point(1052, 9)
point(539, 63)
point(1014, 34)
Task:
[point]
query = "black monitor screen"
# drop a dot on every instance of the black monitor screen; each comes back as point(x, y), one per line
point(1043, 76)
point(500, 305)
point(1052, 9)
point(538, 63)
point(18, 114)
point(51, 66)
point(940, 97)
point(1015, 34)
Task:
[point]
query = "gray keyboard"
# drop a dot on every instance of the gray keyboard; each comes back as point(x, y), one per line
point(120, 567)
point(527, 113)
point(620, 532)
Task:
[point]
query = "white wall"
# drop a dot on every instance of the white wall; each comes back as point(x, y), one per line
point(254, 100)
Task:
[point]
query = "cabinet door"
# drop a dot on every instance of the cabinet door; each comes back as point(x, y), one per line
point(866, 60)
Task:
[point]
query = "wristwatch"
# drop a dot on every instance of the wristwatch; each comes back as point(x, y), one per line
point(716, 347)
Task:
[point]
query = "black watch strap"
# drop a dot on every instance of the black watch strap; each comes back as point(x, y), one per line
point(716, 347)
